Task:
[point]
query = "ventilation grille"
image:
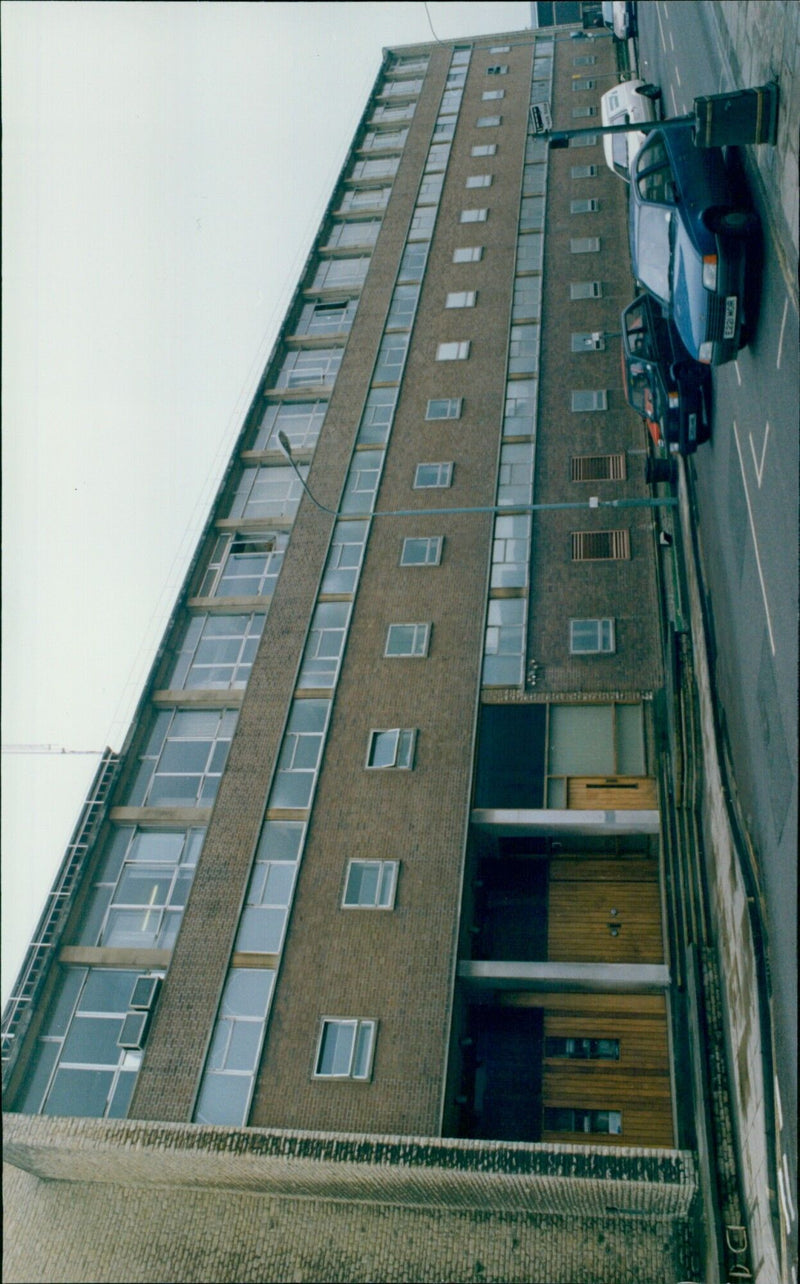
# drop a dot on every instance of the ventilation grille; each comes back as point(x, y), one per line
point(598, 468)
point(595, 546)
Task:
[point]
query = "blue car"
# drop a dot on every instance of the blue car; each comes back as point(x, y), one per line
point(688, 235)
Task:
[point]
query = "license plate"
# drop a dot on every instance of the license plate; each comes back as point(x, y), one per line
point(731, 306)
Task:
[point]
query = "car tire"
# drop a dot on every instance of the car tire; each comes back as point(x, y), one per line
point(737, 224)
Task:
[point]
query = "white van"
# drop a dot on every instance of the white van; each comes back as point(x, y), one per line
point(629, 102)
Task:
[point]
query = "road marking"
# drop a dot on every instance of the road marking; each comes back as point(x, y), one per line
point(660, 28)
point(778, 1102)
point(675, 111)
point(759, 467)
point(783, 327)
point(678, 76)
point(788, 1187)
point(755, 540)
point(738, 371)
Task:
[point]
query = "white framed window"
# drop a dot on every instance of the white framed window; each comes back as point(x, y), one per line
point(407, 641)
point(479, 180)
point(468, 254)
point(587, 140)
point(579, 85)
point(244, 565)
point(393, 749)
point(487, 122)
point(327, 318)
point(370, 884)
point(377, 417)
point(578, 113)
point(591, 637)
point(433, 476)
point(413, 262)
point(580, 1120)
point(422, 221)
point(473, 216)
point(235, 1049)
point(584, 60)
point(588, 341)
point(305, 367)
point(183, 758)
point(363, 478)
point(345, 557)
point(301, 421)
point(461, 299)
point(392, 352)
point(584, 244)
point(437, 157)
point(430, 189)
point(365, 198)
point(504, 644)
point(488, 94)
point(422, 550)
point(523, 352)
point(453, 351)
point(444, 408)
point(402, 307)
point(583, 171)
point(589, 399)
point(345, 1049)
point(589, 206)
point(300, 754)
point(386, 167)
point(325, 645)
point(585, 290)
point(483, 149)
point(216, 652)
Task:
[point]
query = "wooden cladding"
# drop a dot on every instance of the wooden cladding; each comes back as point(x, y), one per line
point(612, 793)
point(602, 911)
point(597, 546)
point(598, 468)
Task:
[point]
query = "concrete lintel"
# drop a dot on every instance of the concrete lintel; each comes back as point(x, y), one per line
point(152, 817)
point(114, 956)
point(642, 978)
point(198, 698)
point(508, 822)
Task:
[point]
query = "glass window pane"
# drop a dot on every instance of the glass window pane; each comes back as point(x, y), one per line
point(244, 1045)
point(79, 1092)
point(247, 992)
point(383, 748)
point(362, 883)
point(118, 1106)
point(630, 740)
point(93, 1040)
point(261, 930)
point(223, 1099)
point(281, 840)
point(336, 1048)
point(582, 740)
point(30, 1101)
point(363, 1056)
point(107, 990)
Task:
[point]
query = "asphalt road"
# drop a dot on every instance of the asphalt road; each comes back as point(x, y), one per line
point(746, 486)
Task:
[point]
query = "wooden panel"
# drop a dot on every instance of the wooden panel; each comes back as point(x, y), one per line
point(612, 793)
point(642, 1041)
point(647, 1124)
point(581, 922)
point(557, 1003)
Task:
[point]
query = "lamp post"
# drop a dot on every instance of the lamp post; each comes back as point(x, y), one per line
point(506, 510)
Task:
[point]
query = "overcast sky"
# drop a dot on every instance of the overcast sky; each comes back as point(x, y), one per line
point(165, 168)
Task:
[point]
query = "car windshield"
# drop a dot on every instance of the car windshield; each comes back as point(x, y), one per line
point(639, 391)
point(654, 249)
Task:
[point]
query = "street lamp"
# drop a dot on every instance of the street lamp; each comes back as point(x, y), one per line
point(505, 510)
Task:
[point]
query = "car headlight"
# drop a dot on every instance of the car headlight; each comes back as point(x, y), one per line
point(705, 352)
point(710, 271)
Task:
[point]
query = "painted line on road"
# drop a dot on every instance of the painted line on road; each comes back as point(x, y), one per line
point(777, 1091)
point(783, 327)
point(660, 28)
point(759, 467)
point(755, 540)
point(738, 371)
point(678, 76)
point(675, 111)
point(788, 1181)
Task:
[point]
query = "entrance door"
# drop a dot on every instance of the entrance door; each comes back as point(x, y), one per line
point(604, 911)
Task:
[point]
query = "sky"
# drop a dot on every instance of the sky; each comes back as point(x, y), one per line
point(165, 170)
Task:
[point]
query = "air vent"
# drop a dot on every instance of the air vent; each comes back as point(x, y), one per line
point(595, 546)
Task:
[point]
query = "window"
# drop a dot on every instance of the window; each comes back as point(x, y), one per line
point(140, 888)
point(377, 417)
point(523, 354)
point(504, 644)
point(300, 754)
point(335, 273)
point(444, 408)
point(235, 1049)
point(579, 112)
point(370, 884)
point(531, 216)
point(399, 87)
point(483, 149)
point(486, 122)
point(488, 94)
point(413, 263)
point(530, 253)
point(444, 129)
point(593, 740)
point(183, 758)
point(479, 180)
point(468, 254)
point(269, 891)
point(520, 409)
point(422, 221)
point(453, 351)
point(498, 70)
point(533, 180)
point(268, 493)
point(430, 189)
point(325, 645)
point(300, 421)
point(345, 557)
point(451, 101)
point(585, 290)
point(590, 399)
point(216, 652)
point(582, 1049)
point(391, 749)
point(597, 546)
point(438, 156)
point(515, 479)
point(527, 300)
point(365, 198)
point(345, 1049)
point(309, 366)
point(383, 140)
point(362, 482)
point(327, 318)
point(587, 140)
point(80, 1068)
point(461, 299)
point(357, 232)
point(584, 60)
point(511, 550)
point(579, 85)
point(584, 244)
point(421, 550)
point(392, 352)
point(583, 171)
point(568, 1119)
point(597, 468)
point(591, 637)
point(407, 640)
point(244, 565)
point(584, 207)
point(433, 476)
point(588, 341)
point(473, 216)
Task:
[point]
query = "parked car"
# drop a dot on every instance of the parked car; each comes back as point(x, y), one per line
point(669, 390)
point(629, 103)
point(688, 238)
point(620, 16)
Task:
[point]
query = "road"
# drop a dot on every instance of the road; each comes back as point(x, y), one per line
point(745, 485)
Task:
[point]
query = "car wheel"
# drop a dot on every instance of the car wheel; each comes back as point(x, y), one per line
point(734, 223)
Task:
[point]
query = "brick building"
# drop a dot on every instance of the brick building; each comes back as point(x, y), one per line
point(372, 900)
